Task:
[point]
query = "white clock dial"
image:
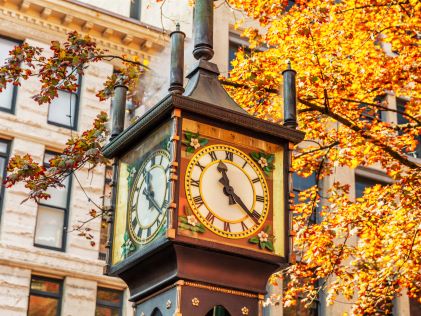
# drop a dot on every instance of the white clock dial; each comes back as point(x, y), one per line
point(227, 191)
point(149, 197)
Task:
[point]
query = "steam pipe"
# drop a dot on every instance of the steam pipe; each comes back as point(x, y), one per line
point(203, 29)
point(290, 97)
point(177, 61)
point(118, 108)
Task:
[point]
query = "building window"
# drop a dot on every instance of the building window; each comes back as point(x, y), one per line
point(361, 183)
point(52, 215)
point(8, 95)
point(45, 297)
point(400, 106)
point(235, 43)
point(4, 157)
point(63, 111)
point(135, 9)
point(109, 302)
point(300, 184)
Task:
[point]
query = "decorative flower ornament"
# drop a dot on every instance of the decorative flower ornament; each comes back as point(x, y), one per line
point(193, 141)
point(191, 219)
point(127, 247)
point(264, 160)
point(263, 237)
point(190, 222)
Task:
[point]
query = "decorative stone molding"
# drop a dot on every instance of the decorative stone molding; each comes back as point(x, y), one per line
point(116, 33)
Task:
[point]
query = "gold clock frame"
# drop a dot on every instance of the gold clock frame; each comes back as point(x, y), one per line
point(254, 166)
point(132, 191)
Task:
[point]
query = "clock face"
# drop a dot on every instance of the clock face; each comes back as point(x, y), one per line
point(149, 197)
point(227, 191)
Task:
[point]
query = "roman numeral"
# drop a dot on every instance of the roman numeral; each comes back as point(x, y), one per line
point(158, 222)
point(200, 166)
point(198, 201)
point(153, 161)
point(229, 156)
point(245, 164)
point(139, 232)
point(213, 156)
point(255, 180)
point(244, 226)
point(165, 204)
point(210, 217)
point(227, 227)
point(134, 222)
point(160, 161)
point(148, 232)
point(195, 183)
point(260, 198)
point(255, 215)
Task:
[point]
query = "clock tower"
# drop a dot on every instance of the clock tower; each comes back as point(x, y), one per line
point(201, 193)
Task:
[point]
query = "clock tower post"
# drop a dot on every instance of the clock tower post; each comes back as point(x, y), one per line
point(201, 193)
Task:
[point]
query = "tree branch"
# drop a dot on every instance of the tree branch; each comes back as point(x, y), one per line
point(401, 158)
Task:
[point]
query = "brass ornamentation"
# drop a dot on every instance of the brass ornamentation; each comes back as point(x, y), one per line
point(244, 311)
point(168, 304)
point(219, 289)
point(195, 301)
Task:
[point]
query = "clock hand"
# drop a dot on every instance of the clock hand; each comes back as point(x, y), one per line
point(222, 168)
point(151, 200)
point(148, 190)
point(240, 202)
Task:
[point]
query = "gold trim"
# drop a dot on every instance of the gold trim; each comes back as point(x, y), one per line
point(187, 184)
point(220, 289)
point(176, 113)
point(139, 174)
point(171, 233)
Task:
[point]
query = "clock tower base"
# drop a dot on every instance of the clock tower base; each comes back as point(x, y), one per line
point(186, 298)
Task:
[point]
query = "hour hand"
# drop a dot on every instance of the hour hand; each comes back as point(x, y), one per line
point(228, 190)
point(151, 200)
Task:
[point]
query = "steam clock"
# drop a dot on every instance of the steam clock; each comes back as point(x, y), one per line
point(201, 192)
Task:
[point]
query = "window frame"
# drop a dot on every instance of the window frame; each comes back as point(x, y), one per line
point(58, 296)
point(135, 10)
point(74, 127)
point(15, 88)
point(400, 106)
point(102, 303)
point(66, 211)
point(6, 156)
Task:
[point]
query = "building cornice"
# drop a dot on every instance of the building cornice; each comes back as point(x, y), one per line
point(47, 262)
point(111, 31)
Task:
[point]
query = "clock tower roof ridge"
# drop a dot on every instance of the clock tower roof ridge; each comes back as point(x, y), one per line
point(204, 85)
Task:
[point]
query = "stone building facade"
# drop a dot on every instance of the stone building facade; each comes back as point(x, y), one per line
point(42, 262)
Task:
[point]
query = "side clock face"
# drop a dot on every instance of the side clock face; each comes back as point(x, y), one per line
point(149, 197)
point(227, 191)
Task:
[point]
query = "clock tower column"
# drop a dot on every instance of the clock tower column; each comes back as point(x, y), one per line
point(201, 191)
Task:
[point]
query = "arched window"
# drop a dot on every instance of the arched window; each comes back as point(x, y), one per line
point(218, 311)
point(156, 312)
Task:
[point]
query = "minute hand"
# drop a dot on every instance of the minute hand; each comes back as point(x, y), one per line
point(238, 200)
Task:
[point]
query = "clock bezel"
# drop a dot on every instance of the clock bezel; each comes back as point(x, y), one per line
point(187, 183)
point(132, 193)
